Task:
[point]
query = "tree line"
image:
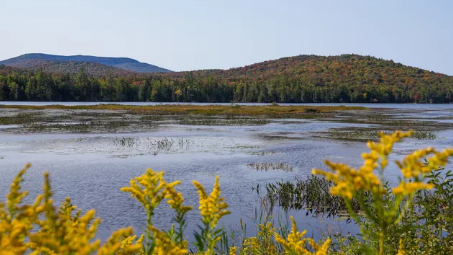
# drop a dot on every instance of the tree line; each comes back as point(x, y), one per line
point(351, 81)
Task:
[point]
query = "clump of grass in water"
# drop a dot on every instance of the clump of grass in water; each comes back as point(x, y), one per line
point(151, 118)
point(126, 142)
point(81, 127)
point(223, 122)
point(271, 166)
point(161, 144)
point(164, 144)
point(363, 134)
point(424, 135)
point(354, 134)
point(262, 153)
point(311, 194)
point(20, 118)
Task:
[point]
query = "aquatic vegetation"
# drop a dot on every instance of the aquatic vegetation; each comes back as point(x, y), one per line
point(360, 134)
point(425, 135)
point(82, 127)
point(224, 122)
point(126, 118)
point(354, 134)
point(125, 141)
point(310, 194)
point(263, 110)
point(18, 119)
point(271, 166)
point(262, 153)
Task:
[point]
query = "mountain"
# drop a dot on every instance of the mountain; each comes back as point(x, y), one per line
point(320, 68)
point(69, 67)
point(57, 63)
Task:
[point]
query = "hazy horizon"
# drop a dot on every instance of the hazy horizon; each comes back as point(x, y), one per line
point(182, 35)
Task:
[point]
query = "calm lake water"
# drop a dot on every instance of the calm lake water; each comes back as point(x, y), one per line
point(92, 167)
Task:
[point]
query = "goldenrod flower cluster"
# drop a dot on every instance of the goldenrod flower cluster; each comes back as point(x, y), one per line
point(263, 242)
point(148, 189)
point(369, 190)
point(212, 207)
point(42, 229)
point(164, 246)
point(175, 199)
point(296, 243)
point(349, 180)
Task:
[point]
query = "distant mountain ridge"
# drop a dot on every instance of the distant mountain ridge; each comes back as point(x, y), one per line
point(33, 60)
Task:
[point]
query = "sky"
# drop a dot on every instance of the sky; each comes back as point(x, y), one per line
point(204, 34)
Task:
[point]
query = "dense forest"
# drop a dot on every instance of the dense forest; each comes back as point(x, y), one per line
point(300, 79)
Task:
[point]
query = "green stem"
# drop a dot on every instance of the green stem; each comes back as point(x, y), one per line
point(148, 249)
point(381, 242)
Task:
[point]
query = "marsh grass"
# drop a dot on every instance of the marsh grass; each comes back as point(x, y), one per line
point(262, 153)
point(271, 166)
point(151, 118)
point(82, 127)
point(18, 119)
point(311, 194)
point(154, 145)
point(126, 118)
point(355, 134)
point(224, 122)
point(425, 135)
point(358, 134)
point(272, 111)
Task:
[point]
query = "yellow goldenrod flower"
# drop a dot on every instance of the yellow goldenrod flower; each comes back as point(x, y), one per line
point(175, 199)
point(233, 250)
point(400, 249)
point(407, 188)
point(296, 244)
point(164, 245)
point(212, 207)
point(148, 189)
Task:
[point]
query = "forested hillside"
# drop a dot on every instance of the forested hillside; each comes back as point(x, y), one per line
point(70, 67)
point(51, 62)
point(300, 79)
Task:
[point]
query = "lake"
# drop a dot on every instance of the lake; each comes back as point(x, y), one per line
point(91, 163)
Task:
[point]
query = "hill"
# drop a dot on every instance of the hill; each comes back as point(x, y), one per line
point(299, 79)
point(35, 60)
point(326, 68)
point(69, 67)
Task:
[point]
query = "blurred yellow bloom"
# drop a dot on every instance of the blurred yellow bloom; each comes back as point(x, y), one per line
point(164, 245)
point(349, 180)
point(407, 188)
point(175, 199)
point(233, 250)
point(296, 243)
point(400, 249)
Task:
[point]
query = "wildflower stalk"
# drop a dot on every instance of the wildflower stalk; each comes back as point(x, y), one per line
point(381, 211)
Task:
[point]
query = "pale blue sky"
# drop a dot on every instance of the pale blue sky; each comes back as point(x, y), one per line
point(194, 34)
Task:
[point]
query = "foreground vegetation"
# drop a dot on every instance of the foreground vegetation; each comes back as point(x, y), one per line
point(413, 217)
point(300, 79)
